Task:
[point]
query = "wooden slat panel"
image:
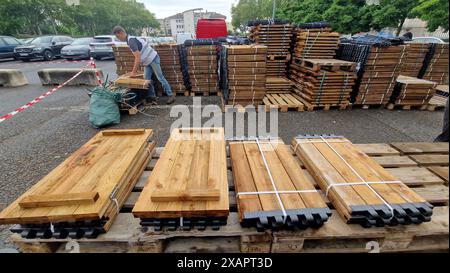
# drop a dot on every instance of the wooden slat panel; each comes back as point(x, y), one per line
point(430, 160)
point(54, 200)
point(421, 147)
point(377, 149)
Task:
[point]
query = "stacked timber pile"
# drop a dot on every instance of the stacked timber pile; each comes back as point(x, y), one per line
point(278, 85)
point(83, 195)
point(124, 59)
point(435, 67)
point(360, 189)
point(171, 66)
point(202, 61)
point(414, 58)
point(324, 82)
point(315, 41)
point(188, 186)
point(379, 65)
point(272, 190)
point(410, 91)
point(246, 70)
point(277, 36)
point(439, 100)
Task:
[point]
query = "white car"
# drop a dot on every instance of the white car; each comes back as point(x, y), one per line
point(424, 40)
point(102, 46)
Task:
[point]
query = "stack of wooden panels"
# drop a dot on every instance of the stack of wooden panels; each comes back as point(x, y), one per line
point(316, 43)
point(278, 39)
point(278, 85)
point(133, 83)
point(188, 186)
point(171, 66)
point(321, 82)
point(246, 74)
point(413, 60)
point(411, 91)
point(360, 189)
point(437, 66)
point(272, 190)
point(439, 100)
point(83, 195)
point(381, 69)
point(203, 69)
point(124, 59)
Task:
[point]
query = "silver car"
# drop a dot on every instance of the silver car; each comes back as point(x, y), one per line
point(79, 49)
point(102, 47)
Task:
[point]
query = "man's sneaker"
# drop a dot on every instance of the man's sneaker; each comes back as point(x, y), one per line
point(152, 101)
point(171, 100)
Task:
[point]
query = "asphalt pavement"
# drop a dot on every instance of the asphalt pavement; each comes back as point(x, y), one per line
point(34, 142)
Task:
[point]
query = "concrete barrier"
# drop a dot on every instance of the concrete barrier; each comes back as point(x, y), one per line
point(58, 76)
point(12, 78)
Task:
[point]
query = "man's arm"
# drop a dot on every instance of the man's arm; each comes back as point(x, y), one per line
point(137, 63)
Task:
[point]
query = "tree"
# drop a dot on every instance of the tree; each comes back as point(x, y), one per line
point(393, 13)
point(91, 17)
point(435, 12)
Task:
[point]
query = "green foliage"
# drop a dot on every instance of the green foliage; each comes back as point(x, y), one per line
point(435, 12)
point(346, 16)
point(91, 17)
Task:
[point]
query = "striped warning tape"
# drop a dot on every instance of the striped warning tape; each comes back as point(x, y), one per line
point(43, 96)
point(49, 63)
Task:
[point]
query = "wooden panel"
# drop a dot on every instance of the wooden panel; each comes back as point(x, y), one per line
point(442, 172)
point(108, 163)
point(193, 162)
point(54, 200)
point(415, 176)
point(395, 161)
point(282, 173)
point(337, 161)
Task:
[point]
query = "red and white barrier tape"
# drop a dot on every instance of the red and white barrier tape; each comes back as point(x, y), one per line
point(97, 73)
point(41, 97)
point(51, 62)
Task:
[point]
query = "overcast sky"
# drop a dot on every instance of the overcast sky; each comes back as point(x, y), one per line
point(166, 8)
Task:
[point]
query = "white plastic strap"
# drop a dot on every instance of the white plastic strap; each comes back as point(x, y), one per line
point(52, 227)
point(181, 221)
point(275, 192)
point(271, 179)
point(117, 204)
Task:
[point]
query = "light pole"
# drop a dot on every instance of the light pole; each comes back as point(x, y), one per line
point(274, 9)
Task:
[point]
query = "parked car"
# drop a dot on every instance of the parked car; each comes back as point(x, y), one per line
point(182, 37)
point(431, 40)
point(45, 47)
point(7, 46)
point(102, 46)
point(79, 49)
point(25, 41)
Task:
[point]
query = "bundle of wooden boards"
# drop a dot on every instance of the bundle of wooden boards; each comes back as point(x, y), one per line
point(82, 196)
point(188, 187)
point(411, 91)
point(439, 100)
point(360, 189)
point(321, 82)
point(203, 68)
point(136, 82)
point(278, 85)
point(381, 69)
point(272, 190)
point(436, 67)
point(278, 39)
point(124, 59)
point(414, 58)
point(246, 68)
point(316, 43)
point(171, 66)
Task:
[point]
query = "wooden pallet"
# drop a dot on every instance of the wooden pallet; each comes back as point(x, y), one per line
point(324, 106)
point(189, 181)
point(283, 102)
point(126, 234)
point(82, 196)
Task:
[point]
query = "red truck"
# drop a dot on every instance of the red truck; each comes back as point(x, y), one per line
point(211, 28)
